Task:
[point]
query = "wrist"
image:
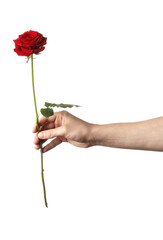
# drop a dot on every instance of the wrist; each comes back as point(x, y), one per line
point(104, 135)
point(95, 135)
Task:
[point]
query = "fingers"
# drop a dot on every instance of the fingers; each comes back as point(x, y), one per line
point(56, 132)
point(48, 126)
point(37, 147)
point(43, 120)
point(34, 130)
point(37, 140)
point(52, 144)
point(48, 129)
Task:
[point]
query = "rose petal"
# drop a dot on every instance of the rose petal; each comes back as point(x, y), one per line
point(26, 50)
point(38, 50)
point(21, 53)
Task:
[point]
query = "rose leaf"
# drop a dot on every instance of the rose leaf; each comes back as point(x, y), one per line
point(47, 112)
point(62, 105)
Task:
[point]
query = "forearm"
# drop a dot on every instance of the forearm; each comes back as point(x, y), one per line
point(144, 135)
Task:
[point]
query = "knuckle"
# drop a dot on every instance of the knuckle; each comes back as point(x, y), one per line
point(64, 112)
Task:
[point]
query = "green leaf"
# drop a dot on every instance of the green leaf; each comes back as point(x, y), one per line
point(62, 105)
point(47, 112)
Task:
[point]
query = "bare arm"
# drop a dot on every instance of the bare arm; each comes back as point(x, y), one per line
point(144, 135)
point(64, 127)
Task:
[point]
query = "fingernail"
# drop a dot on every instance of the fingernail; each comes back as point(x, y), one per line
point(41, 135)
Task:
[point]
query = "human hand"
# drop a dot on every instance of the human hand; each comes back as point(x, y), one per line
point(63, 127)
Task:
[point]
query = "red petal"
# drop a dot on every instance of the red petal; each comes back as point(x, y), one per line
point(21, 53)
point(26, 50)
point(38, 50)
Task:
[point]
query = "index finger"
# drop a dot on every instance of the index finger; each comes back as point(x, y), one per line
point(41, 122)
point(44, 120)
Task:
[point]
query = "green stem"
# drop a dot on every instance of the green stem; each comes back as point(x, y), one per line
point(42, 170)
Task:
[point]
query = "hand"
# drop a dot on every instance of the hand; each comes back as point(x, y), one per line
point(63, 127)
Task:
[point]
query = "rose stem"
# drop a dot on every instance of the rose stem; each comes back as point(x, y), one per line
point(42, 170)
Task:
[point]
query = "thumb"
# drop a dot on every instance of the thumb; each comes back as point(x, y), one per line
point(56, 132)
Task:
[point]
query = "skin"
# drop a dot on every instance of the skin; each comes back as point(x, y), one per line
point(65, 127)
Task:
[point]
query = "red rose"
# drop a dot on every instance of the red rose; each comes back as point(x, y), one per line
point(29, 42)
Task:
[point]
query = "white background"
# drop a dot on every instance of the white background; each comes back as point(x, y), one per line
point(106, 56)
